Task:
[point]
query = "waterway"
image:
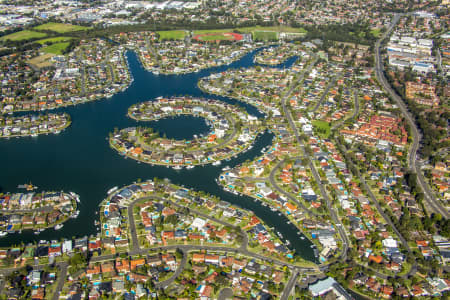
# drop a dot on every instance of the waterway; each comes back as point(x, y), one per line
point(80, 160)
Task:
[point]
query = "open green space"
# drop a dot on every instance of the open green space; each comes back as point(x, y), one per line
point(171, 35)
point(216, 37)
point(212, 31)
point(375, 32)
point(60, 27)
point(56, 48)
point(58, 39)
point(23, 35)
point(264, 36)
point(322, 128)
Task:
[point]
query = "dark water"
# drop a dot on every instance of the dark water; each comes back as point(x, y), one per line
point(80, 160)
point(181, 127)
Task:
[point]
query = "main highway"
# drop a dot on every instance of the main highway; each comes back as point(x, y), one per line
point(433, 204)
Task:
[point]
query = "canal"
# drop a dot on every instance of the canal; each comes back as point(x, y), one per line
point(80, 160)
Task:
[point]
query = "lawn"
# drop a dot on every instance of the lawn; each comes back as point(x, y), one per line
point(56, 48)
point(375, 32)
point(171, 35)
point(212, 31)
point(322, 128)
point(264, 36)
point(41, 61)
point(54, 40)
point(215, 37)
point(23, 35)
point(60, 27)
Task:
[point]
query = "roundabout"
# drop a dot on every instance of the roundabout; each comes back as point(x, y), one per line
point(232, 131)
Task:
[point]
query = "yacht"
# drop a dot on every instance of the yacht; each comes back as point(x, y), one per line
point(112, 190)
point(3, 233)
point(59, 226)
point(216, 163)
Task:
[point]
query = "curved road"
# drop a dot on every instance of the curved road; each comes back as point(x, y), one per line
point(280, 190)
point(324, 193)
point(432, 203)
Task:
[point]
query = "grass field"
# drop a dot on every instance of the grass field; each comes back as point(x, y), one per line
point(23, 35)
point(264, 35)
point(54, 40)
point(60, 27)
point(171, 35)
point(41, 61)
point(56, 48)
point(215, 37)
point(322, 128)
point(375, 32)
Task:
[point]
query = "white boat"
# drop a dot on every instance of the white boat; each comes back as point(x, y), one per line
point(77, 198)
point(226, 168)
point(302, 237)
point(190, 167)
point(216, 163)
point(34, 135)
point(58, 227)
point(75, 215)
point(112, 190)
point(178, 167)
point(3, 233)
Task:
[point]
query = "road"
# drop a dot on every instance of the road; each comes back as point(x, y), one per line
point(61, 280)
point(225, 294)
point(431, 202)
point(324, 193)
point(166, 283)
point(289, 286)
point(325, 92)
point(372, 197)
point(355, 111)
point(133, 232)
point(274, 183)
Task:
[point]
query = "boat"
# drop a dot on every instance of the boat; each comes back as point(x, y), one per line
point(112, 190)
point(279, 234)
point(288, 242)
point(28, 187)
point(34, 135)
point(190, 167)
point(216, 163)
point(58, 227)
point(75, 215)
point(37, 232)
point(77, 198)
point(302, 237)
point(226, 168)
point(178, 167)
point(3, 233)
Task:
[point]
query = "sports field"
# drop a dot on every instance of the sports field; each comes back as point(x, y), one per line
point(23, 35)
point(218, 36)
point(60, 27)
point(171, 35)
point(56, 48)
point(58, 39)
